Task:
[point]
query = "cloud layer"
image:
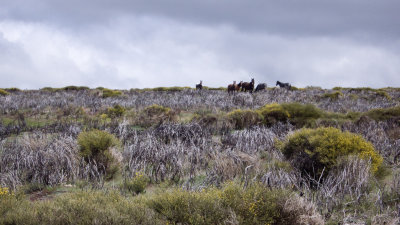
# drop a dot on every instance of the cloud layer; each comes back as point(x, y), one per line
point(128, 44)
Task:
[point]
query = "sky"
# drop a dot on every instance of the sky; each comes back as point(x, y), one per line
point(125, 44)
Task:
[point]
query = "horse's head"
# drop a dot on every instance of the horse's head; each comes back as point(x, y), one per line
point(277, 83)
point(240, 83)
point(252, 81)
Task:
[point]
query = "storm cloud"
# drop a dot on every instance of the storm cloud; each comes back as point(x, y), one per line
point(136, 44)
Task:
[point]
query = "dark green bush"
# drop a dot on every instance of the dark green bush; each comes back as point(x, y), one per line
point(111, 93)
point(96, 145)
point(75, 88)
point(312, 150)
point(3, 92)
point(244, 118)
point(13, 89)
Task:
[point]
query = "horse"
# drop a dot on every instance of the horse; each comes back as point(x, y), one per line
point(246, 86)
point(234, 87)
point(261, 86)
point(284, 85)
point(199, 86)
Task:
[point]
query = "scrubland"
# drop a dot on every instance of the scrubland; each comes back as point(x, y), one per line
point(175, 155)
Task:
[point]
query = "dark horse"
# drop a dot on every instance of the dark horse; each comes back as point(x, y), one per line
point(283, 85)
point(199, 86)
point(248, 86)
point(234, 87)
point(261, 87)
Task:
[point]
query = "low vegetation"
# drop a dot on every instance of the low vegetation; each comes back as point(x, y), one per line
point(183, 156)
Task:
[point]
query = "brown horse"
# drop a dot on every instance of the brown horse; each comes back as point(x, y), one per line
point(234, 87)
point(199, 86)
point(246, 86)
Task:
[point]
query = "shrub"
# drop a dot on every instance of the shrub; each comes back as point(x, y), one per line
point(333, 96)
point(137, 184)
point(155, 115)
point(4, 191)
point(244, 118)
point(273, 113)
point(3, 92)
point(95, 145)
point(111, 93)
point(384, 114)
point(383, 93)
point(254, 205)
point(185, 207)
point(169, 88)
point(296, 113)
point(50, 89)
point(13, 89)
point(75, 88)
point(312, 150)
point(216, 88)
point(80, 207)
point(116, 111)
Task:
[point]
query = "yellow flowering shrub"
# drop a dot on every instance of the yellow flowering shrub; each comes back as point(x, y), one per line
point(312, 150)
point(4, 191)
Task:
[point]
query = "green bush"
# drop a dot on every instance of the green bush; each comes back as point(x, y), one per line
point(244, 118)
point(384, 114)
point(3, 92)
point(334, 95)
point(185, 207)
point(155, 115)
point(95, 145)
point(273, 113)
point(384, 94)
point(111, 93)
point(137, 184)
point(296, 113)
point(116, 111)
point(312, 150)
point(255, 204)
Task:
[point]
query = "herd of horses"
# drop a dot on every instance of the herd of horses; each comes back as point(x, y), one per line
point(247, 86)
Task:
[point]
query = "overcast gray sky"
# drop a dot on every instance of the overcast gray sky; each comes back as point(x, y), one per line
point(136, 44)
